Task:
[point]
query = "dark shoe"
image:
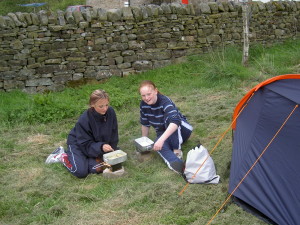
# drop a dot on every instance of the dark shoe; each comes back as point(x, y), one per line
point(178, 167)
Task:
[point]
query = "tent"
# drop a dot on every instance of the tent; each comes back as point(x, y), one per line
point(265, 165)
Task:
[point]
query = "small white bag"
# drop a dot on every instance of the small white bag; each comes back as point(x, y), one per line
point(207, 173)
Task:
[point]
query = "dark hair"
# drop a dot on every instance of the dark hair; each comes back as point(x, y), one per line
point(148, 83)
point(96, 95)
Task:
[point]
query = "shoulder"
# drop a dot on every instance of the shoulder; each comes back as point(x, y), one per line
point(84, 117)
point(111, 110)
point(142, 103)
point(164, 99)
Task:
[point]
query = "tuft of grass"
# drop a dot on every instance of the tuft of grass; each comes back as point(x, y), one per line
point(226, 64)
point(276, 60)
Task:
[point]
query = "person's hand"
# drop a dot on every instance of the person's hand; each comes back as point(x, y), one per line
point(107, 148)
point(158, 145)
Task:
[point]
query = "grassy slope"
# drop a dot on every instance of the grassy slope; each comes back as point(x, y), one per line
point(206, 89)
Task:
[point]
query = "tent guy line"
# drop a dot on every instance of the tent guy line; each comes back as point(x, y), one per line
point(227, 199)
point(253, 129)
point(270, 190)
point(216, 145)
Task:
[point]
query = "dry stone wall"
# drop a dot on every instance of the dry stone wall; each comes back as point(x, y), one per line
point(111, 4)
point(49, 50)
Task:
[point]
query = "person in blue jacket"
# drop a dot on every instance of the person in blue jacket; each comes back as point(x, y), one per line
point(172, 128)
point(94, 134)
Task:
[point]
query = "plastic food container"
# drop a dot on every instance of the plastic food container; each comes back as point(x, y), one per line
point(115, 157)
point(143, 144)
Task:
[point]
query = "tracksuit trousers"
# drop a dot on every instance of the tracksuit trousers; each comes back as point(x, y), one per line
point(81, 165)
point(174, 142)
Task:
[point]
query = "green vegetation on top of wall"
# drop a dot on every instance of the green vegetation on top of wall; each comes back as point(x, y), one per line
point(7, 6)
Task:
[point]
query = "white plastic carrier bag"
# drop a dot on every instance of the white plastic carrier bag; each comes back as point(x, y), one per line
point(207, 173)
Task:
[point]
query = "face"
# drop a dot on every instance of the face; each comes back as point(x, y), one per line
point(101, 106)
point(149, 95)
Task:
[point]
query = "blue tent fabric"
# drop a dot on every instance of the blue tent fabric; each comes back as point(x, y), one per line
point(272, 186)
point(287, 88)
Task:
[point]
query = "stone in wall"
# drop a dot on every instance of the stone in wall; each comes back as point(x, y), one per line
point(9, 85)
point(49, 50)
point(111, 4)
point(143, 65)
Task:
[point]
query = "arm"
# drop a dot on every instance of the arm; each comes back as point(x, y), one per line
point(144, 122)
point(171, 119)
point(168, 132)
point(114, 140)
point(145, 131)
point(85, 137)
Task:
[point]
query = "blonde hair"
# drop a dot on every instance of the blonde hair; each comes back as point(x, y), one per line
point(96, 95)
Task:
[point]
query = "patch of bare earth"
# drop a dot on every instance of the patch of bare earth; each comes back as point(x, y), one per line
point(38, 139)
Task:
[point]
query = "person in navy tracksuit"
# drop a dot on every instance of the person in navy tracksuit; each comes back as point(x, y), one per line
point(94, 134)
point(172, 128)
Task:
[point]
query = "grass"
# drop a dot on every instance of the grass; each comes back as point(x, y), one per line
point(8, 6)
point(206, 89)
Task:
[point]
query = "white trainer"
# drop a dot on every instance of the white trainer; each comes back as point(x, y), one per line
point(55, 156)
point(178, 153)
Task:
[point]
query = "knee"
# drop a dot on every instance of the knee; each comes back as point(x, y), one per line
point(80, 173)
